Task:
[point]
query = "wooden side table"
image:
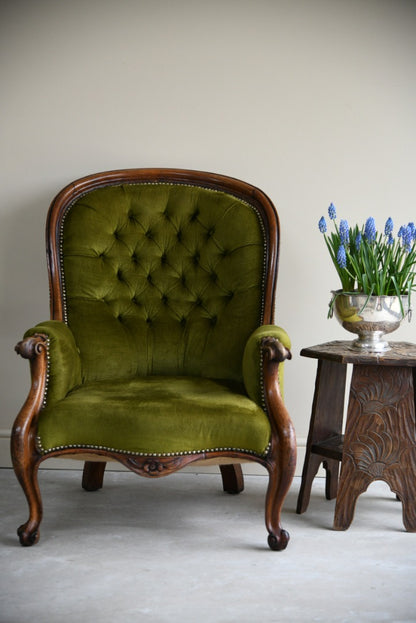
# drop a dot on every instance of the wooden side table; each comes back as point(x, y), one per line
point(380, 430)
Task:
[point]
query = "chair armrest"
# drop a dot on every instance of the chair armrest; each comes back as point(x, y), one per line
point(63, 359)
point(253, 360)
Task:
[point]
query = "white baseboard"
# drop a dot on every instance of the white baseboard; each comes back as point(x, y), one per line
point(248, 468)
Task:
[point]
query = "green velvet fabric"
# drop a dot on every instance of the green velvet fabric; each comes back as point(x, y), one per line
point(252, 362)
point(156, 415)
point(65, 363)
point(162, 279)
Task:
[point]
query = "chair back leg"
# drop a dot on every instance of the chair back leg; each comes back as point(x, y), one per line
point(232, 478)
point(93, 475)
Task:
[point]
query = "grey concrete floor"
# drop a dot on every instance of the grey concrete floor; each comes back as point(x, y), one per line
point(179, 549)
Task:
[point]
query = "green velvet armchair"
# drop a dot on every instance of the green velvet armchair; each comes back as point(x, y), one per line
point(161, 349)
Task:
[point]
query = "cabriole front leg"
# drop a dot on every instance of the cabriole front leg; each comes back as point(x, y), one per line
point(282, 459)
point(28, 477)
point(278, 537)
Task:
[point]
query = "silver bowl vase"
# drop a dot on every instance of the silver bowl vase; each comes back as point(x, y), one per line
point(370, 317)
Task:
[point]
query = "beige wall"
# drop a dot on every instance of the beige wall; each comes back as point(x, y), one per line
point(312, 100)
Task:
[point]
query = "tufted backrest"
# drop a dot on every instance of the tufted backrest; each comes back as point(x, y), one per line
point(161, 278)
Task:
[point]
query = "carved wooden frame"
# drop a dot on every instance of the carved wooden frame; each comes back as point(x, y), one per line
point(281, 457)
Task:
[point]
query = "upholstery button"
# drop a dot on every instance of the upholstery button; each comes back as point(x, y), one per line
point(194, 215)
point(149, 278)
point(120, 275)
point(164, 299)
point(179, 235)
point(163, 258)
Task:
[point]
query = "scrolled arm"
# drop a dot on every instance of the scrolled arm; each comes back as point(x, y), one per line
point(275, 350)
point(266, 351)
point(62, 364)
point(268, 341)
point(34, 348)
point(31, 347)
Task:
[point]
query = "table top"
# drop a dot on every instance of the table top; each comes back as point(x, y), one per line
point(400, 354)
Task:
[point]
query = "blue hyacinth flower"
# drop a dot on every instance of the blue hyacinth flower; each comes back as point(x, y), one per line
point(332, 212)
point(344, 232)
point(358, 241)
point(388, 228)
point(342, 257)
point(322, 225)
point(407, 238)
point(370, 230)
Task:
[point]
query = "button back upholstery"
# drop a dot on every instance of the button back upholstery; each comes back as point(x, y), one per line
point(170, 274)
point(161, 348)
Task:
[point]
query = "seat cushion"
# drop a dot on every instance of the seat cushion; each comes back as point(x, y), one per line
point(156, 415)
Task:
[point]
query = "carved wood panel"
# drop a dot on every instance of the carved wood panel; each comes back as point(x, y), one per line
point(380, 440)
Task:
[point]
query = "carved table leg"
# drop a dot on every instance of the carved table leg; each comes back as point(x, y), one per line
point(310, 469)
point(380, 440)
point(326, 422)
point(331, 467)
point(93, 475)
point(232, 478)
